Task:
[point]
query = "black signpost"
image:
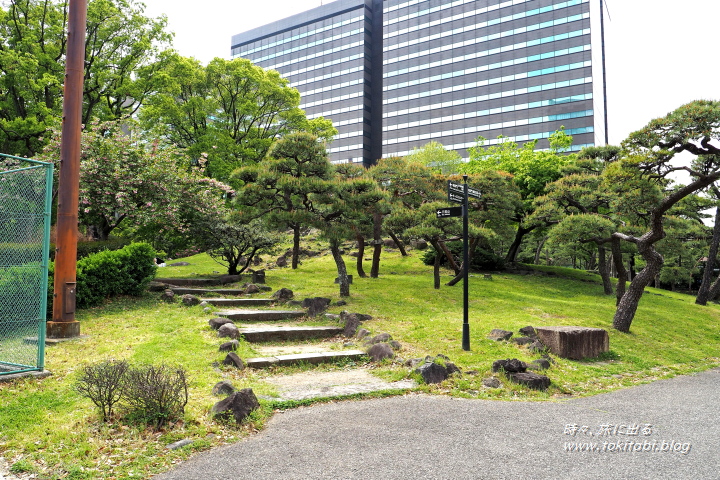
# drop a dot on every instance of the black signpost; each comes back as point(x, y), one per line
point(459, 193)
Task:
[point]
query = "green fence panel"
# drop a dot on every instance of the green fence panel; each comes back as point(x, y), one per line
point(25, 210)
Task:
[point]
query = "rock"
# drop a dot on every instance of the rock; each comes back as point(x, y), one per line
point(228, 330)
point(528, 331)
point(332, 316)
point(179, 264)
point(264, 288)
point(168, 296)
point(257, 260)
point(492, 382)
point(252, 288)
point(294, 303)
point(190, 300)
point(537, 347)
point(389, 242)
point(541, 363)
point(340, 303)
point(452, 368)
point(281, 262)
point(362, 333)
point(509, 366)
point(531, 380)
point(432, 372)
point(225, 279)
point(218, 322)
point(180, 443)
point(522, 340)
point(207, 309)
point(230, 346)
point(204, 303)
point(233, 359)
point(238, 405)
point(223, 388)
point(258, 276)
point(575, 343)
point(316, 305)
point(157, 286)
point(380, 351)
point(380, 337)
point(352, 323)
point(283, 295)
point(419, 244)
point(414, 362)
point(499, 334)
point(395, 344)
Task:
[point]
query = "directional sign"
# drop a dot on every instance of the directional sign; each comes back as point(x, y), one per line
point(449, 212)
point(459, 188)
point(454, 197)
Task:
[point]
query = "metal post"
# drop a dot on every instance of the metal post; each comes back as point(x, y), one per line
point(63, 324)
point(466, 269)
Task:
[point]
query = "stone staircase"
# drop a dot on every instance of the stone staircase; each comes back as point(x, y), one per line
point(281, 338)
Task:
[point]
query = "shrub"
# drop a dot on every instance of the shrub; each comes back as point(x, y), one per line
point(103, 384)
point(156, 394)
point(482, 259)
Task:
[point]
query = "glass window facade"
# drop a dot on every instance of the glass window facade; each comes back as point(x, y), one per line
point(393, 75)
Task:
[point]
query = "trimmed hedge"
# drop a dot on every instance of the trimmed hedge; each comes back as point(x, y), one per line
point(109, 273)
point(87, 248)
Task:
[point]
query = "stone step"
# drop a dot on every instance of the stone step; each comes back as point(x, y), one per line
point(205, 291)
point(281, 334)
point(200, 282)
point(312, 358)
point(260, 315)
point(239, 302)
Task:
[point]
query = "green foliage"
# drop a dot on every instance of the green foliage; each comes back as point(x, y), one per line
point(230, 110)
point(119, 42)
point(434, 156)
point(108, 273)
point(88, 247)
point(481, 259)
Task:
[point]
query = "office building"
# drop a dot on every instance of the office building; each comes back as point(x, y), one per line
point(394, 75)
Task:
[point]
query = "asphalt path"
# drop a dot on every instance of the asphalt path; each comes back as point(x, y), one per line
point(668, 429)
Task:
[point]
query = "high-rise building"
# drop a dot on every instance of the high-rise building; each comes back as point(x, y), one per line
point(393, 75)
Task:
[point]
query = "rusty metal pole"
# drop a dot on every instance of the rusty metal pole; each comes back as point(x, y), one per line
point(63, 324)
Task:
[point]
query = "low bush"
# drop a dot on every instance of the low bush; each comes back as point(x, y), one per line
point(482, 259)
point(151, 394)
point(87, 248)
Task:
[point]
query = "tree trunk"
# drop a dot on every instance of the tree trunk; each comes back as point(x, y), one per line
point(629, 302)
point(620, 267)
point(342, 271)
point(604, 269)
point(511, 256)
point(449, 256)
point(714, 290)
point(460, 276)
point(436, 265)
point(538, 250)
point(704, 291)
point(361, 253)
point(296, 246)
point(377, 237)
point(398, 243)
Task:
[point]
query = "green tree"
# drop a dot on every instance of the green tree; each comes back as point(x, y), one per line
point(123, 181)
point(433, 155)
point(33, 42)
point(231, 110)
point(531, 169)
point(279, 188)
point(644, 178)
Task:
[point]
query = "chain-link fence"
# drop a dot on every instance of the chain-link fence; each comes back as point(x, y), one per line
point(25, 207)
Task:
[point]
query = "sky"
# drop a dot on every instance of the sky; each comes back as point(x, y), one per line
point(659, 54)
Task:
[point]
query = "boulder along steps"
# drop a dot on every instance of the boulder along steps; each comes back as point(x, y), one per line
point(274, 332)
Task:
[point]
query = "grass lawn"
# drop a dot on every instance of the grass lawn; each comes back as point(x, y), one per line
point(48, 428)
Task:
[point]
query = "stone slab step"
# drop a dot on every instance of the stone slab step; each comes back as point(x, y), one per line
point(312, 358)
point(200, 282)
point(205, 291)
point(280, 334)
point(239, 302)
point(260, 315)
